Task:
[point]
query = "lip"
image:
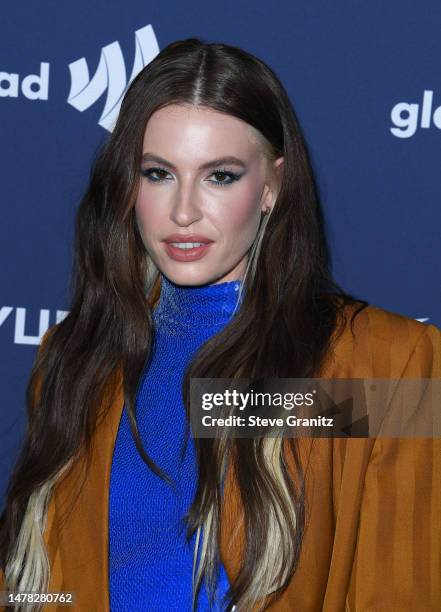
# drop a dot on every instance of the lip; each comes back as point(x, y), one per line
point(188, 254)
point(187, 238)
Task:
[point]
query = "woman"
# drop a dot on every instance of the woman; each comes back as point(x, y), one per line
point(200, 253)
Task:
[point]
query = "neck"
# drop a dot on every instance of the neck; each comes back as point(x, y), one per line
point(181, 305)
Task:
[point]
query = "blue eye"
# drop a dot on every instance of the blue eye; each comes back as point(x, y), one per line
point(161, 176)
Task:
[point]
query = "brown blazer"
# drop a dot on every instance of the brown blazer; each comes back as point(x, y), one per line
point(373, 536)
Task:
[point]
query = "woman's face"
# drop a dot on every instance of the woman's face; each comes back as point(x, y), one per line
point(188, 195)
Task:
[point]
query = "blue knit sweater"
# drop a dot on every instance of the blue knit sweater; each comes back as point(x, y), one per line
point(150, 564)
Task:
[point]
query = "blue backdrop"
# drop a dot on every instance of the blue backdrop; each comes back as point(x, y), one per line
point(365, 82)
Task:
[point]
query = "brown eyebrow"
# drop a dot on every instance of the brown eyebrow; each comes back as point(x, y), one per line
point(230, 159)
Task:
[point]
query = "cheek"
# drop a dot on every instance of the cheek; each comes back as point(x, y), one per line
point(243, 210)
point(146, 211)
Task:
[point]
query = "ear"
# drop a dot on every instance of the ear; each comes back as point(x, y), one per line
point(272, 185)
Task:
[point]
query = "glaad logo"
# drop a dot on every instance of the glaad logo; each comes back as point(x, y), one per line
point(20, 335)
point(85, 91)
point(33, 86)
point(407, 125)
point(110, 75)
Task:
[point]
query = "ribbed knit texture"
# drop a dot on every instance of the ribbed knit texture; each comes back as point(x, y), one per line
point(150, 564)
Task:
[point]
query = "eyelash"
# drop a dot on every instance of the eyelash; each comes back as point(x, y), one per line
point(234, 177)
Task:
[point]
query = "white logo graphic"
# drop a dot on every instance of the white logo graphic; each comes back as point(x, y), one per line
point(406, 126)
point(110, 75)
point(33, 86)
point(20, 336)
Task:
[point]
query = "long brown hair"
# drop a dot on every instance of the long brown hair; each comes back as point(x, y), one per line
point(284, 328)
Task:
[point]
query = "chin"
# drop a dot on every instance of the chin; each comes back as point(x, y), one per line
point(190, 278)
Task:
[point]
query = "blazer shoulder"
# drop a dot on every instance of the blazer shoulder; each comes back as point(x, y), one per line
point(371, 341)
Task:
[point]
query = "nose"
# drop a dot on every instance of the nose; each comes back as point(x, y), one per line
point(185, 209)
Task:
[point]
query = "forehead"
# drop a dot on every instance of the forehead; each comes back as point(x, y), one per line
point(186, 126)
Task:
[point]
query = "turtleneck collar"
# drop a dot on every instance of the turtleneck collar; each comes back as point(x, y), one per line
point(203, 305)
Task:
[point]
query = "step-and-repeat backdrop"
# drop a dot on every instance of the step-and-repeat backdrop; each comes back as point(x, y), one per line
point(365, 81)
